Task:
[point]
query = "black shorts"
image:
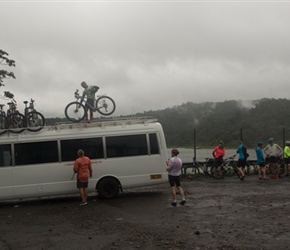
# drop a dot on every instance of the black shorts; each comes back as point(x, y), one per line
point(174, 180)
point(82, 184)
point(287, 161)
point(262, 164)
point(272, 159)
point(241, 163)
point(89, 104)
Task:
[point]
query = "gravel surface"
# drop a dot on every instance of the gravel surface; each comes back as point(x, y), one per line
point(219, 214)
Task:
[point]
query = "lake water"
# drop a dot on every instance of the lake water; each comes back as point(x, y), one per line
point(186, 154)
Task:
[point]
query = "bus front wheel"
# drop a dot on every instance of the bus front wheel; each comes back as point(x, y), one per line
point(108, 188)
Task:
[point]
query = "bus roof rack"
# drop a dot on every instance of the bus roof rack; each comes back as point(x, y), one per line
point(103, 122)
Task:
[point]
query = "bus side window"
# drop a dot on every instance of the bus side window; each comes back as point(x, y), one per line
point(154, 149)
point(5, 155)
point(128, 145)
point(93, 148)
point(36, 152)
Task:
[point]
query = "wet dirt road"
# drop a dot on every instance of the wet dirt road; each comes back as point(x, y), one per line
point(219, 214)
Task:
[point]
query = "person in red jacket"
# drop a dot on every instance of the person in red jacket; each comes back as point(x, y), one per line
point(219, 153)
point(83, 168)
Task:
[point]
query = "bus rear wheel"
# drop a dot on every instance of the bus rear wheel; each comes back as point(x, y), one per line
point(108, 188)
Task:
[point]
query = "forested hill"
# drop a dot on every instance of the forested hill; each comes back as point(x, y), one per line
point(258, 120)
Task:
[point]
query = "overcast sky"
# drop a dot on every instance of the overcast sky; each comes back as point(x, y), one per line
point(146, 55)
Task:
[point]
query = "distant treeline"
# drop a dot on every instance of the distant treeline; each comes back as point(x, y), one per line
point(229, 121)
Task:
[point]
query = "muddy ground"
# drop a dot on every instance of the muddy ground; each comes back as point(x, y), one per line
point(219, 214)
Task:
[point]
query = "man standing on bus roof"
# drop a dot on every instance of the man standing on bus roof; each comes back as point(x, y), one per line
point(83, 168)
point(90, 92)
point(174, 172)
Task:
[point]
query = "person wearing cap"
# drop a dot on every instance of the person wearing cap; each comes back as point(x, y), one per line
point(219, 153)
point(287, 158)
point(174, 165)
point(261, 161)
point(242, 161)
point(273, 152)
point(89, 92)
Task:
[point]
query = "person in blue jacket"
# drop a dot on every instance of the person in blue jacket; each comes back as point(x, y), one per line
point(241, 164)
point(261, 161)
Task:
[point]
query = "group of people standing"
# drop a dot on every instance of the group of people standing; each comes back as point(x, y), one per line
point(271, 154)
point(274, 153)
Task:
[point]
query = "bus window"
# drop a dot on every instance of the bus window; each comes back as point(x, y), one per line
point(36, 152)
point(5, 155)
point(154, 149)
point(93, 148)
point(130, 145)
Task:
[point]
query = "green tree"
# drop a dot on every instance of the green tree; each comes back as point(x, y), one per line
point(4, 60)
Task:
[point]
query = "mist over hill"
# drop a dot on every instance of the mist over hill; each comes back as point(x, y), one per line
point(229, 121)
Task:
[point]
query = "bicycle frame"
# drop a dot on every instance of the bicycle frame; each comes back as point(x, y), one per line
point(94, 109)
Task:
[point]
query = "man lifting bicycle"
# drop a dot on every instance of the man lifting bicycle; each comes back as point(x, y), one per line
point(90, 92)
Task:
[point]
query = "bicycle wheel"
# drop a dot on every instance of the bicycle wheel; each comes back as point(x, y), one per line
point(3, 124)
point(105, 105)
point(281, 167)
point(16, 123)
point(217, 172)
point(229, 169)
point(75, 111)
point(35, 121)
point(249, 169)
point(192, 172)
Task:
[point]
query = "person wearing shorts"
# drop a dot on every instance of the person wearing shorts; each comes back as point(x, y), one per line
point(241, 164)
point(287, 158)
point(174, 165)
point(89, 92)
point(261, 161)
point(273, 152)
point(83, 168)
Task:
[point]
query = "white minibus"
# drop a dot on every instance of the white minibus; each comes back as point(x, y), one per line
point(125, 153)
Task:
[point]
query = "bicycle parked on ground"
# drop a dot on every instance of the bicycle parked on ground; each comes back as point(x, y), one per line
point(227, 168)
point(277, 169)
point(35, 121)
point(75, 111)
point(198, 168)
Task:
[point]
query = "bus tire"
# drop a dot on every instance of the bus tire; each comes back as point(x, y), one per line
point(108, 188)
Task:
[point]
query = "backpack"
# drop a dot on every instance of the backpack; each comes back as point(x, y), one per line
point(244, 149)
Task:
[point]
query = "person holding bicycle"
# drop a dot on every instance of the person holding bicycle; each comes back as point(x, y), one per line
point(273, 152)
point(174, 165)
point(219, 153)
point(89, 92)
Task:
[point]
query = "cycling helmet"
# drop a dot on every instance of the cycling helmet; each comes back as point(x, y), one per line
point(287, 142)
point(221, 142)
point(260, 143)
point(175, 151)
point(270, 139)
